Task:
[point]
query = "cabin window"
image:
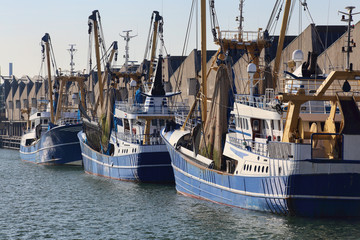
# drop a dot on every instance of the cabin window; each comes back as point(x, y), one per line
point(10, 104)
point(279, 125)
point(32, 125)
point(256, 125)
point(272, 124)
point(161, 122)
point(126, 124)
point(154, 122)
point(45, 121)
point(17, 103)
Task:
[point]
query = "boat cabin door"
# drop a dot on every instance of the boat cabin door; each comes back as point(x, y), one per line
point(255, 126)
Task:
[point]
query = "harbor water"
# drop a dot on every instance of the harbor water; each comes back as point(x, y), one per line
point(42, 202)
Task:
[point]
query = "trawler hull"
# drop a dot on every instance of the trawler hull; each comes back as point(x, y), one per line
point(146, 165)
point(57, 146)
point(308, 195)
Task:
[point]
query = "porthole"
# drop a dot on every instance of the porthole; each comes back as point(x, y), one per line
point(244, 167)
point(250, 168)
point(262, 169)
point(247, 167)
point(267, 169)
point(255, 169)
point(259, 169)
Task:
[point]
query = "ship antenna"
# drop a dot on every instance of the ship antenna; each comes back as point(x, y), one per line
point(72, 51)
point(127, 38)
point(350, 43)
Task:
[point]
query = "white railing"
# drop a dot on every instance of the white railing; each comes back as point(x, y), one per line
point(139, 108)
point(65, 121)
point(152, 139)
point(180, 118)
point(258, 102)
point(245, 35)
point(250, 145)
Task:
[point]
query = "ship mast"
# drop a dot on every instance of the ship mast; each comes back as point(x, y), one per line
point(281, 43)
point(72, 51)
point(203, 62)
point(94, 17)
point(349, 43)
point(46, 40)
point(241, 18)
point(127, 38)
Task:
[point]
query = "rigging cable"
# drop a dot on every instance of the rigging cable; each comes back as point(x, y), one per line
point(178, 78)
point(318, 35)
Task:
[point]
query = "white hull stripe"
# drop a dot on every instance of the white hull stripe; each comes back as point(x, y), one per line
point(125, 167)
point(54, 146)
point(262, 195)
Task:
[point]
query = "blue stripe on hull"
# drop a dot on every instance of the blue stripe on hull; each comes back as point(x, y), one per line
point(57, 146)
point(317, 195)
point(143, 167)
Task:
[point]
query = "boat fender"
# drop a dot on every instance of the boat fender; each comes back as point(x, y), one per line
point(278, 109)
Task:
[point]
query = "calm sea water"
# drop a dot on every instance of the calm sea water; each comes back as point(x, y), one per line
point(39, 202)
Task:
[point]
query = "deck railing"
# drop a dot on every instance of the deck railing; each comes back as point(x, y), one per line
point(153, 139)
point(140, 108)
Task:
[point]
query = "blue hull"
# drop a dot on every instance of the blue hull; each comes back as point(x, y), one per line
point(320, 195)
point(152, 167)
point(57, 146)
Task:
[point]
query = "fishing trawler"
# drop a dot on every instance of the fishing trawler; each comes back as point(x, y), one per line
point(126, 144)
point(270, 160)
point(51, 134)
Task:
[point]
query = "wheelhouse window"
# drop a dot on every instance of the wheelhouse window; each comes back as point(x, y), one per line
point(154, 122)
point(126, 124)
point(256, 125)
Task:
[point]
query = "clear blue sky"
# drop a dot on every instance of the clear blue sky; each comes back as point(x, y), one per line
point(24, 22)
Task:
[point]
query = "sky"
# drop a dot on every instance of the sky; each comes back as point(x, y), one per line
point(24, 22)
